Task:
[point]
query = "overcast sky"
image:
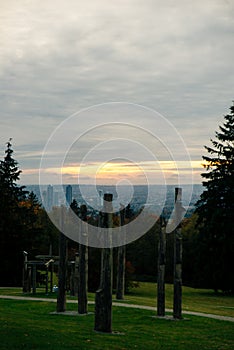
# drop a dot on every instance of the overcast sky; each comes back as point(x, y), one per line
point(59, 57)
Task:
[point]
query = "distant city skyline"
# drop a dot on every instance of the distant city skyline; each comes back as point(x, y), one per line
point(155, 198)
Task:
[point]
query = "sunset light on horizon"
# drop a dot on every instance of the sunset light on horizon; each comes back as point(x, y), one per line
point(113, 172)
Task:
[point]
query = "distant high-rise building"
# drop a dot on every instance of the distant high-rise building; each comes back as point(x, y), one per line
point(68, 195)
point(49, 197)
point(55, 198)
point(44, 198)
point(100, 192)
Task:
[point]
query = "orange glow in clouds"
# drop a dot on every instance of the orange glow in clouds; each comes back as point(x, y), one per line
point(113, 172)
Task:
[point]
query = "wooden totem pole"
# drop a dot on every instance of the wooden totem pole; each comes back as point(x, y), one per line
point(103, 299)
point(177, 303)
point(120, 284)
point(62, 272)
point(161, 268)
point(83, 265)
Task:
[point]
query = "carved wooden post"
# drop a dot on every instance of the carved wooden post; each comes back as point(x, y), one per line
point(47, 279)
point(83, 266)
point(51, 268)
point(72, 279)
point(26, 286)
point(34, 278)
point(76, 274)
point(103, 299)
point(121, 263)
point(51, 276)
point(161, 268)
point(177, 305)
point(29, 279)
point(62, 272)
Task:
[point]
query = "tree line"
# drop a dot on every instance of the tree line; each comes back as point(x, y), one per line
point(208, 235)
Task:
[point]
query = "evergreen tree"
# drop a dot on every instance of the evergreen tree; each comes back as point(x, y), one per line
point(9, 174)
point(215, 210)
point(191, 247)
point(24, 225)
point(74, 206)
point(10, 216)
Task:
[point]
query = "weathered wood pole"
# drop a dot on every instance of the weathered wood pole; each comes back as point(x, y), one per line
point(177, 303)
point(103, 298)
point(83, 266)
point(120, 284)
point(51, 268)
point(72, 279)
point(47, 279)
point(26, 280)
point(62, 271)
point(161, 268)
point(34, 279)
point(51, 276)
point(29, 279)
point(76, 276)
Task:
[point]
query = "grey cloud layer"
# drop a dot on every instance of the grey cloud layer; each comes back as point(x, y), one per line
point(58, 57)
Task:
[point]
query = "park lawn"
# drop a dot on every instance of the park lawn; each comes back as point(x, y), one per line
point(29, 325)
point(198, 300)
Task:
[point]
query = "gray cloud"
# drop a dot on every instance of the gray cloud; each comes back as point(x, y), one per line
point(59, 57)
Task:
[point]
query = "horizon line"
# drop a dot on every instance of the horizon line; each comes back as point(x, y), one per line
point(113, 185)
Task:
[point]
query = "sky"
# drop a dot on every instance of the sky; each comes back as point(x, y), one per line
point(145, 66)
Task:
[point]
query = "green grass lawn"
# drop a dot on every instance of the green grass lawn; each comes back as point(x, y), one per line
point(29, 325)
point(198, 300)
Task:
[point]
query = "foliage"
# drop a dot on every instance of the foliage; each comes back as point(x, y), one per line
point(129, 273)
point(215, 210)
point(24, 224)
point(191, 246)
point(74, 206)
point(11, 214)
point(142, 254)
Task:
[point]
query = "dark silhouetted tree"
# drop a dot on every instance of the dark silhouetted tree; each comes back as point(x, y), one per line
point(11, 213)
point(23, 224)
point(215, 210)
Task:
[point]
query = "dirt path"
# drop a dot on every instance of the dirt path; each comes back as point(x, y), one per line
point(133, 306)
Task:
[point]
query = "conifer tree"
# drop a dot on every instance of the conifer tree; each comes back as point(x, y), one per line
point(9, 175)
point(10, 216)
point(24, 225)
point(215, 210)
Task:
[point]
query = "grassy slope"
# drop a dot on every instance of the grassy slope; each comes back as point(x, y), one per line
point(29, 325)
point(193, 299)
point(199, 300)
